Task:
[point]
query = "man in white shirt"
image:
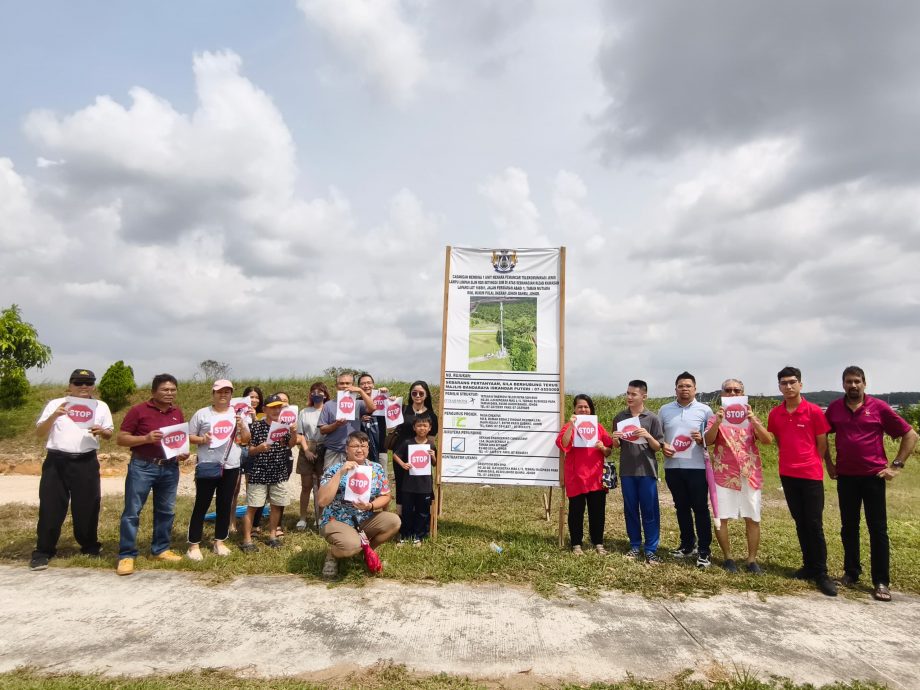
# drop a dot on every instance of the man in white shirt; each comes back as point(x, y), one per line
point(70, 473)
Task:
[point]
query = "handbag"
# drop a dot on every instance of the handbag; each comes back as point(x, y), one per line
point(213, 470)
point(389, 443)
point(609, 480)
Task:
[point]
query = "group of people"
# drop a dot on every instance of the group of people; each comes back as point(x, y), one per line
point(329, 450)
point(720, 463)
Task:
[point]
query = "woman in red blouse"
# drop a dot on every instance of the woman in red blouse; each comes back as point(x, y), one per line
point(583, 470)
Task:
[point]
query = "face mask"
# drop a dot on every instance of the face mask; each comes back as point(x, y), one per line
point(317, 398)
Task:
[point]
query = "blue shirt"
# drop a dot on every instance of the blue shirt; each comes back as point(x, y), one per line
point(694, 416)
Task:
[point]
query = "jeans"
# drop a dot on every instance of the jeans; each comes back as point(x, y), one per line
point(142, 477)
point(690, 492)
point(640, 508)
point(68, 478)
point(854, 493)
point(805, 498)
point(204, 492)
point(416, 515)
point(596, 502)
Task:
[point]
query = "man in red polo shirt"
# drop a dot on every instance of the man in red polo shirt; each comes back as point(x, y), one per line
point(800, 431)
point(149, 469)
point(860, 423)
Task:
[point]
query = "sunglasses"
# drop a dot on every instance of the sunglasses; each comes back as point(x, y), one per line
point(417, 394)
point(83, 383)
point(733, 390)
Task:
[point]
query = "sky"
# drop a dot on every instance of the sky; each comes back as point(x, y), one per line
point(273, 185)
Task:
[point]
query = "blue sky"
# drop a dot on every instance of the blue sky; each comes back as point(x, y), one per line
point(248, 182)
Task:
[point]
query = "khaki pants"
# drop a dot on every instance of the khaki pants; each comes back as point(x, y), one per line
point(344, 541)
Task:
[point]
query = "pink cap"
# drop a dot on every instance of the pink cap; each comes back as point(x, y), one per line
point(221, 383)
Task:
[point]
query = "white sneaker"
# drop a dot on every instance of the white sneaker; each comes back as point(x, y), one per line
point(301, 525)
point(194, 554)
point(330, 567)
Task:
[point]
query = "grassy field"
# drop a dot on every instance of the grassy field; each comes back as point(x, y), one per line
point(513, 517)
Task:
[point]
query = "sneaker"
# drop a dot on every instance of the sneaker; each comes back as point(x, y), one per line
point(653, 558)
point(576, 551)
point(39, 562)
point(274, 543)
point(125, 566)
point(730, 566)
point(194, 554)
point(600, 550)
point(681, 552)
point(169, 556)
point(249, 547)
point(703, 561)
point(754, 569)
point(220, 549)
point(827, 586)
point(416, 542)
point(301, 526)
point(632, 555)
point(330, 567)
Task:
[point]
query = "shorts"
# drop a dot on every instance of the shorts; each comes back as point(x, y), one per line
point(734, 503)
point(333, 457)
point(275, 494)
point(305, 466)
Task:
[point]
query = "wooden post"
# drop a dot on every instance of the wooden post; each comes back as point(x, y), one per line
point(562, 505)
point(439, 488)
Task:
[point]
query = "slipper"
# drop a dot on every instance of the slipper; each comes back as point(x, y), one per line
point(279, 532)
point(882, 593)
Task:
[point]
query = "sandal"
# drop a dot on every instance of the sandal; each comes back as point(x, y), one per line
point(882, 593)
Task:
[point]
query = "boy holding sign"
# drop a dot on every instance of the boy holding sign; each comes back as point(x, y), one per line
point(416, 456)
point(354, 495)
point(70, 473)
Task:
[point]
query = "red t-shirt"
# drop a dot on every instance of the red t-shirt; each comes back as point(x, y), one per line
point(144, 418)
point(583, 467)
point(860, 435)
point(796, 433)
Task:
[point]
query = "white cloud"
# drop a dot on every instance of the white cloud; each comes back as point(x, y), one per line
point(513, 213)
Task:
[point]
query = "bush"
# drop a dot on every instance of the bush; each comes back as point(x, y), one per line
point(14, 387)
point(116, 385)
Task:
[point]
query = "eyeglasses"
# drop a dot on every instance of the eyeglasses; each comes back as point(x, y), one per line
point(417, 394)
point(736, 391)
point(83, 383)
point(362, 444)
point(788, 383)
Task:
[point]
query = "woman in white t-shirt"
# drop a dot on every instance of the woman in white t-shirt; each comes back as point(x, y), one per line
point(310, 461)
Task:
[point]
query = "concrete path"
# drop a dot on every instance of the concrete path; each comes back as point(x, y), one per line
point(72, 619)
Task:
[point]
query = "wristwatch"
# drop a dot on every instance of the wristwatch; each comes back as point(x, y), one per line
point(899, 464)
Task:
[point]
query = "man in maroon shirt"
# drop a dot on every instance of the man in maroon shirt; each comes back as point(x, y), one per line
point(149, 469)
point(861, 470)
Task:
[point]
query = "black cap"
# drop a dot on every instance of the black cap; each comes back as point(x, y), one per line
point(82, 375)
point(273, 400)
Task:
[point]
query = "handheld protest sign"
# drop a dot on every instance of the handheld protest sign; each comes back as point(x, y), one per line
point(288, 415)
point(242, 407)
point(734, 411)
point(81, 411)
point(223, 427)
point(585, 430)
point(394, 413)
point(419, 460)
point(345, 406)
point(683, 443)
point(358, 485)
point(175, 440)
point(277, 432)
point(628, 429)
point(380, 403)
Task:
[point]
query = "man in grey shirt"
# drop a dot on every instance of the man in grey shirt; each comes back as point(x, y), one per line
point(639, 472)
point(336, 431)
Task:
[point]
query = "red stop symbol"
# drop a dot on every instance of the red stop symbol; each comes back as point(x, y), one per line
point(175, 440)
point(359, 483)
point(735, 414)
point(587, 431)
point(682, 442)
point(81, 414)
point(277, 435)
point(629, 432)
point(419, 459)
point(346, 405)
point(380, 402)
point(393, 412)
point(287, 417)
point(222, 430)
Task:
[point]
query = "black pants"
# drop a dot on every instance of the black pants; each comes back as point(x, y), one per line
point(225, 486)
point(597, 503)
point(416, 515)
point(805, 498)
point(690, 492)
point(853, 493)
point(68, 478)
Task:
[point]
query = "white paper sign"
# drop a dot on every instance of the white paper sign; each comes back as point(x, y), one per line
point(394, 413)
point(358, 485)
point(243, 407)
point(380, 403)
point(585, 430)
point(288, 415)
point(81, 411)
point(628, 427)
point(276, 432)
point(223, 427)
point(734, 410)
point(683, 442)
point(419, 460)
point(175, 440)
point(345, 406)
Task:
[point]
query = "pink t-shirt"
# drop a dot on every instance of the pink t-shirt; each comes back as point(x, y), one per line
point(796, 433)
point(735, 457)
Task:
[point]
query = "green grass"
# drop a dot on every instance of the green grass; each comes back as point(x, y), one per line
point(483, 343)
point(382, 677)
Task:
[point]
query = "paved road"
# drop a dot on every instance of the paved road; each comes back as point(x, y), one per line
point(159, 621)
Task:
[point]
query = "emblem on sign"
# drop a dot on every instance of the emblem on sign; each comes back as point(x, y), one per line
point(504, 261)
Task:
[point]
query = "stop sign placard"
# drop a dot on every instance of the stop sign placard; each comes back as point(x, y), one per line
point(175, 439)
point(288, 416)
point(419, 459)
point(222, 429)
point(277, 435)
point(682, 443)
point(81, 414)
point(735, 414)
point(629, 432)
point(587, 431)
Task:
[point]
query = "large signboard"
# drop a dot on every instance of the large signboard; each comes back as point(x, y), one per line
point(501, 385)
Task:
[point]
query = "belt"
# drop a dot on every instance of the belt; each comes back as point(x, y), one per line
point(154, 461)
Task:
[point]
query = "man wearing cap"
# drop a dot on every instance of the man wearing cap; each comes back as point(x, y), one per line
point(267, 476)
point(335, 431)
point(860, 423)
point(150, 470)
point(70, 473)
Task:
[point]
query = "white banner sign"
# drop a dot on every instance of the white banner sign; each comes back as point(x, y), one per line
point(734, 411)
point(501, 381)
point(175, 440)
point(585, 430)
